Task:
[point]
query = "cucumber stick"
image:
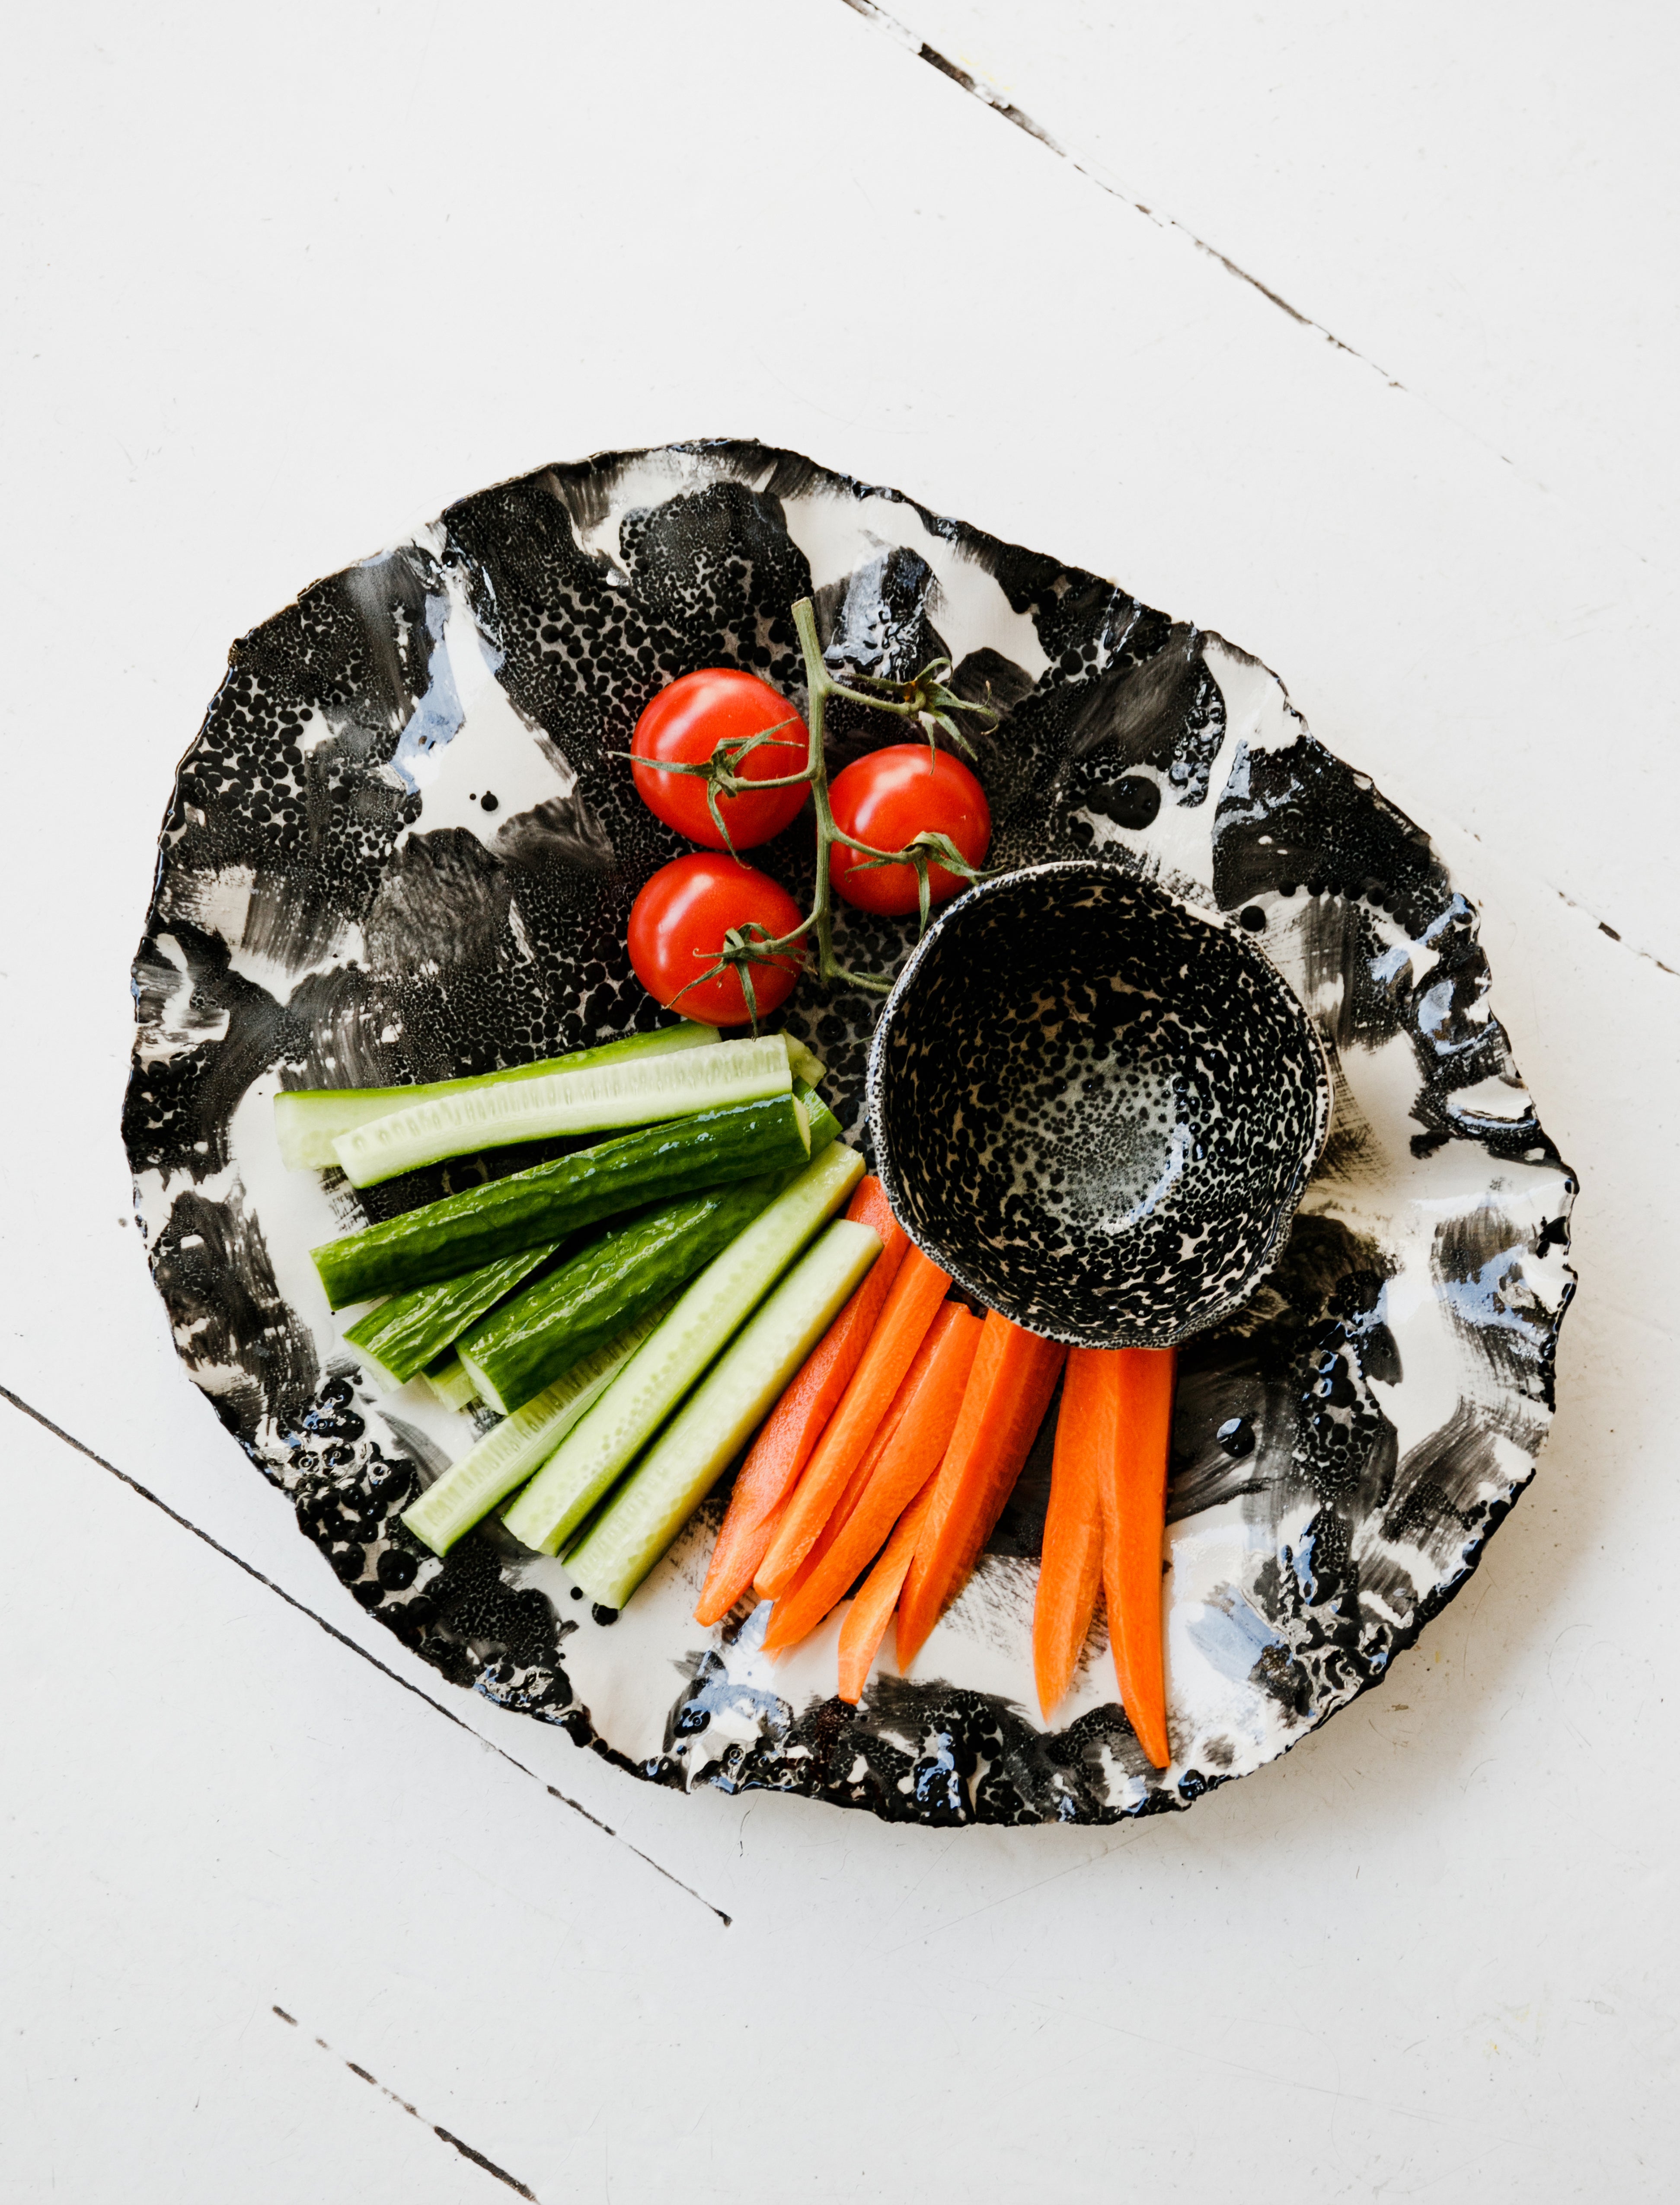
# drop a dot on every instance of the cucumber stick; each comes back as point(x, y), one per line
point(599, 1098)
point(405, 1333)
point(307, 1121)
point(527, 1343)
point(505, 1458)
point(517, 1350)
point(528, 1208)
point(802, 1065)
point(686, 1461)
point(650, 1385)
point(823, 1125)
point(448, 1379)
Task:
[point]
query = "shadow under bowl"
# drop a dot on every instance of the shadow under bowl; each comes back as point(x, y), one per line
point(1096, 1106)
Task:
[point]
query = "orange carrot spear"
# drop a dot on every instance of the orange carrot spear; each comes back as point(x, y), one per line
point(902, 1467)
point(1009, 1387)
point(1134, 1509)
point(869, 1615)
point(1069, 1571)
point(917, 1293)
point(857, 1484)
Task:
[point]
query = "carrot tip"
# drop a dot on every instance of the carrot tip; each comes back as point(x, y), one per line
point(1155, 1745)
point(1050, 1696)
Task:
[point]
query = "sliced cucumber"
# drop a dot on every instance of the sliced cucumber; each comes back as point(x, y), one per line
point(638, 1092)
point(448, 1379)
point(823, 1125)
point(505, 1458)
point(656, 1163)
point(802, 1065)
point(403, 1335)
point(715, 1306)
point(307, 1121)
point(651, 1506)
point(517, 1350)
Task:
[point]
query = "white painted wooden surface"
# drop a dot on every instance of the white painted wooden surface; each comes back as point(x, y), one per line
point(278, 286)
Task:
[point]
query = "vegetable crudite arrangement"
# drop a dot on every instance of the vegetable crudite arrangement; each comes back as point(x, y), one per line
point(525, 1199)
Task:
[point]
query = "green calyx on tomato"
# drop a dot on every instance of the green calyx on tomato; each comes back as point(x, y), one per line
point(715, 939)
point(722, 715)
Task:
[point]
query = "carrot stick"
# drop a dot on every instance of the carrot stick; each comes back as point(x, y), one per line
point(917, 1293)
point(894, 1471)
point(831, 1531)
point(946, 1318)
point(1134, 1508)
point(1069, 1571)
point(1111, 1600)
point(869, 1615)
point(857, 1484)
point(1009, 1387)
point(794, 1426)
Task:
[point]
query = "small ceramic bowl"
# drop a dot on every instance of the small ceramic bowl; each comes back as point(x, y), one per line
point(1096, 1106)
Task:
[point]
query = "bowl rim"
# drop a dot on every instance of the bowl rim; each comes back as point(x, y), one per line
point(1324, 1086)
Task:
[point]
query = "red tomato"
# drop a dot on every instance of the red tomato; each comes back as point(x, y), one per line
point(677, 926)
point(682, 726)
point(889, 798)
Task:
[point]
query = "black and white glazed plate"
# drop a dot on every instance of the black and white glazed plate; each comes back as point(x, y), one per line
point(401, 848)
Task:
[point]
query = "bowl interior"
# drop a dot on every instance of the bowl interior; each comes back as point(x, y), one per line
point(1095, 1106)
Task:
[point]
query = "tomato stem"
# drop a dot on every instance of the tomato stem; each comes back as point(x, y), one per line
point(924, 699)
point(929, 703)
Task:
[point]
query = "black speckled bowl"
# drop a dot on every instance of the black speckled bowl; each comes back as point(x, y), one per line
point(1096, 1106)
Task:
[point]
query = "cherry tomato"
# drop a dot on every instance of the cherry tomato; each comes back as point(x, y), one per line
point(683, 725)
point(889, 798)
point(677, 926)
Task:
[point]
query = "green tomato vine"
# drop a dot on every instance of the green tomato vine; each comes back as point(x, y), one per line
point(926, 703)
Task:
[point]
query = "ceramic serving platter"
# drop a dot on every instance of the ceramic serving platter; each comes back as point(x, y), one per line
point(402, 847)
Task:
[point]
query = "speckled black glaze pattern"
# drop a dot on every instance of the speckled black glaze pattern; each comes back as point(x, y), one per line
point(401, 845)
point(1096, 1106)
